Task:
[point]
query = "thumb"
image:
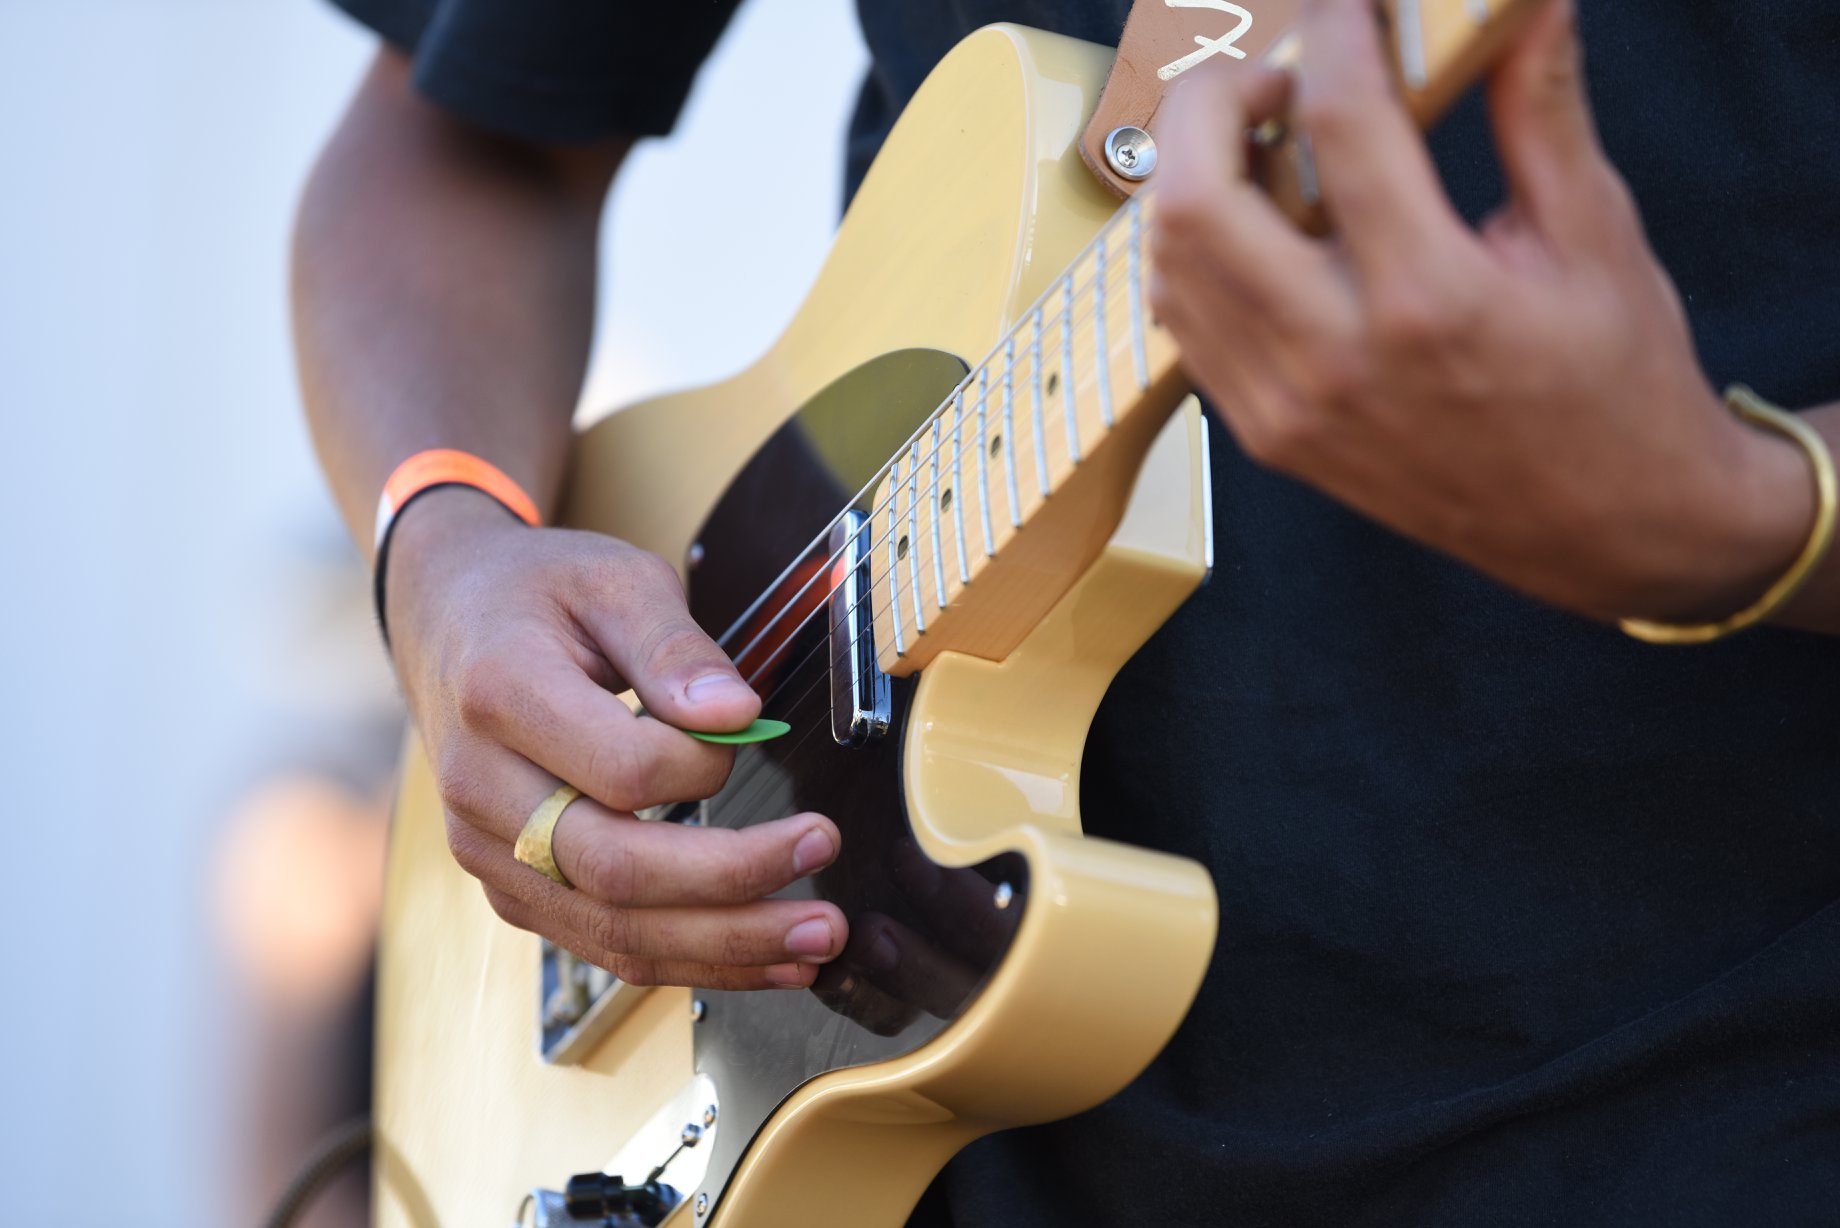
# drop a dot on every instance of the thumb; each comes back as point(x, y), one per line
point(681, 676)
point(1543, 125)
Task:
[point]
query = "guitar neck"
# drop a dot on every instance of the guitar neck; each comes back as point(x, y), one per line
point(1013, 487)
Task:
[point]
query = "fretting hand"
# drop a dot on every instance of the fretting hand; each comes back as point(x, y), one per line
point(1527, 398)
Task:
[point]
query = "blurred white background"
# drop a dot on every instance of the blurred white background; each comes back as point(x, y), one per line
point(185, 630)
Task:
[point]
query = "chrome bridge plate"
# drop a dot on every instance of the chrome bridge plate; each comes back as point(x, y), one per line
point(577, 1005)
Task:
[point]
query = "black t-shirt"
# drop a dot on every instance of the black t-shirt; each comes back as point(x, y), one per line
point(1522, 922)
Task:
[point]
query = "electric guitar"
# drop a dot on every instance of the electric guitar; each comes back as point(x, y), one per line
point(929, 525)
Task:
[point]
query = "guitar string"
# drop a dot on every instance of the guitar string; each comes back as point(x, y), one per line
point(1086, 309)
point(955, 399)
point(760, 762)
point(791, 672)
point(746, 789)
point(871, 552)
point(1102, 239)
point(872, 594)
point(1085, 313)
point(770, 663)
point(1132, 212)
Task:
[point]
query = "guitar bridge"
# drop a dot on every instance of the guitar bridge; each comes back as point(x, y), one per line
point(860, 699)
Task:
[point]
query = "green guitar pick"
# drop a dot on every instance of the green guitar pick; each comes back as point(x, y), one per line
point(762, 730)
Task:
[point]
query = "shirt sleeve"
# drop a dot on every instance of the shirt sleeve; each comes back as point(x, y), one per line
point(556, 71)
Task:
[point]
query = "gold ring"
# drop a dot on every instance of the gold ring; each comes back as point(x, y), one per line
point(534, 844)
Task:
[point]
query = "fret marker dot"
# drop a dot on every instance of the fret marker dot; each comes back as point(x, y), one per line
point(945, 500)
point(900, 549)
point(996, 444)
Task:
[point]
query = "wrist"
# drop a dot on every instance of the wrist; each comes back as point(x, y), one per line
point(433, 543)
point(1745, 523)
point(430, 470)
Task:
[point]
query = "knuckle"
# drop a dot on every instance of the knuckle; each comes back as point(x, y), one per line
point(636, 972)
point(1276, 440)
point(629, 571)
point(505, 907)
point(738, 947)
point(461, 784)
point(673, 643)
point(611, 929)
point(709, 774)
point(738, 878)
point(1340, 373)
point(485, 689)
point(621, 780)
point(1325, 114)
point(654, 571)
point(468, 847)
point(1616, 201)
point(1410, 316)
point(612, 872)
point(1184, 213)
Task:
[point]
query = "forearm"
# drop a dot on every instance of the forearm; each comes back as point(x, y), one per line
point(444, 286)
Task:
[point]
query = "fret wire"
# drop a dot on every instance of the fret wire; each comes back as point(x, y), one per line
point(1410, 24)
point(983, 467)
point(1118, 353)
point(1138, 358)
point(913, 543)
point(894, 569)
point(868, 595)
point(1009, 433)
point(1069, 321)
point(1073, 417)
point(958, 495)
point(1041, 422)
point(939, 562)
point(744, 619)
point(1104, 365)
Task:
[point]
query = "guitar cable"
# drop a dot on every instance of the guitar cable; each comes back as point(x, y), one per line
point(335, 1150)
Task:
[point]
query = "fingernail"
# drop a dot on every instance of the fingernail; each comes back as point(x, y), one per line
point(786, 976)
point(810, 939)
point(814, 849)
point(712, 687)
point(882, 954)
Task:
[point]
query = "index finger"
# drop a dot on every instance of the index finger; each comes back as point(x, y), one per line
point(562, 720)
point(1204, 207)
point(1376, 174)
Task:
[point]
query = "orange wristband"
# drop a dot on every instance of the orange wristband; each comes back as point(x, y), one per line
point(430, 470)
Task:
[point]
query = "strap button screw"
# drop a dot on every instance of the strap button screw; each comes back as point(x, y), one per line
point(1131, 152)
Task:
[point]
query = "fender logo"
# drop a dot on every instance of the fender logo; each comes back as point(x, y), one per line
point(1208, 47)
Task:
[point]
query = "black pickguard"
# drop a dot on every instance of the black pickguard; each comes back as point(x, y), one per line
point(924, 938)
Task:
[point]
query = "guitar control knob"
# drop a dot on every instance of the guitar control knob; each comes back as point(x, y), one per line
point(596, 1197)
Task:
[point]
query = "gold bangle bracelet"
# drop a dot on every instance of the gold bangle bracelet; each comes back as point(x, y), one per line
point(1755, 410)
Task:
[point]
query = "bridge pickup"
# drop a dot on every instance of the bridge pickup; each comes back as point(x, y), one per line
point(860, 701)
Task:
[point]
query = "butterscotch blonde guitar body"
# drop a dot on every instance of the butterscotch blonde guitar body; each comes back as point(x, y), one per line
point(977, 203)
